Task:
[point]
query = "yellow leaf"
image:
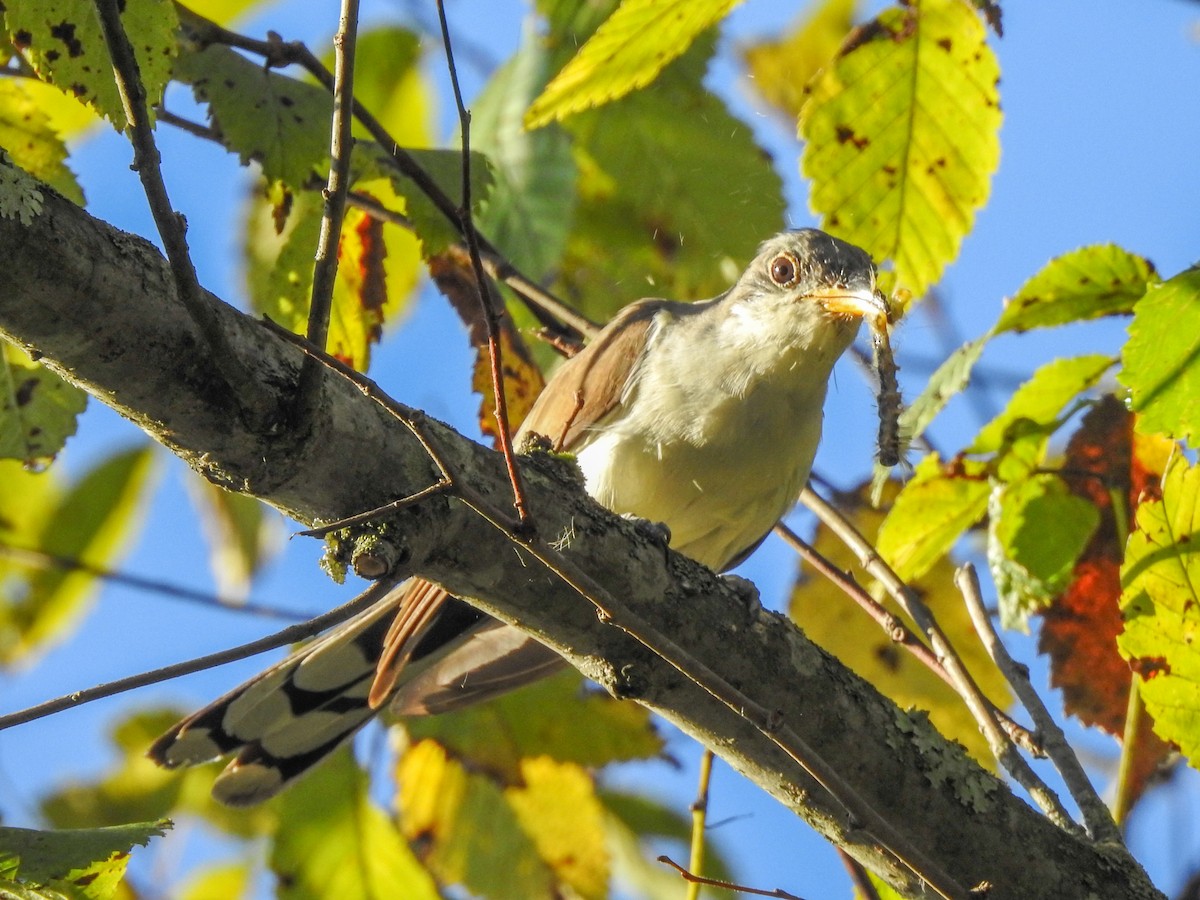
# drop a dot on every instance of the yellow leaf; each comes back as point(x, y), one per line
point(626, 52)
point(902, 136)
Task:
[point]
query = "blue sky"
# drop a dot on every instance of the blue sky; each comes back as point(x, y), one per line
point(1101, 142)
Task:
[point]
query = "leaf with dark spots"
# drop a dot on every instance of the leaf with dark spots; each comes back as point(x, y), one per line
point(65, 32)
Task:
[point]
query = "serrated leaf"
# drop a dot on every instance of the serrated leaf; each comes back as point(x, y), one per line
point(31, 140)
point(1099, 280)
point(836, 623)
point(557, 807)
point(1037, 531)
point(20, 193)
point(1161, 607)
point(902, 135)
point(277, 121)
point(556, 717)
point(333, 841)
point(242, 534)
point(86, 863)
point(94, 521)
point(644, 209)
point(64, 43)
point(38, 410)
point(931, 512)
point(626, 53)
point(779, 69)
point(943, 385)
point(378, 268)
point(1162, 358)
point(529, 211)
point(1043, 397)
point(470, 834)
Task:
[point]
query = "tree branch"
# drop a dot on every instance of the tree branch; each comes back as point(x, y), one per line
point(97, 306)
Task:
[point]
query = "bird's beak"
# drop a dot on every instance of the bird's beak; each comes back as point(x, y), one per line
point(860, 303)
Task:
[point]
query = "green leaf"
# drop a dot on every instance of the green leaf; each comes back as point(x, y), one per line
point(20, 193)
point(943, 385)
point(529, 211)
point(1043, 397)
point(63, 42)
point(935, 507)
point(389, 81)
point(334, 842)
point(646, 209)
point(277, 121)
point(626, 53)
point(471, 835)
point(1088, 283)
point(902, 135)
point(82, 863)
point(31, 140)
point(1160, 603)
point(92, 524)
point(1037, 530)
point(226, 881)
point(1162, 358)
point(556, 717)
point(38, 410)
point(241, 531)
point(779, 69)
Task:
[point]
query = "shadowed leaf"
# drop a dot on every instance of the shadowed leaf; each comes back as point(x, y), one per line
point(38, 409)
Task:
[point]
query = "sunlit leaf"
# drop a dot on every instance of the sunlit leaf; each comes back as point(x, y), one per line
point(226, 881)
point(334, 842)
point(225, 12)
point(556, 717)
point(1161, 584)
point(947, 381)
point(625, 53)
point(901, 136)
point(63, 41)
point(389, 81)
point(529, 211)
point(279, 122)
point(939, 503)
point(836, 623)
point(1037, 531)
point(87, 863)
point(779, 68)
point(31, 140)
point(1162, 358)
point(557, 806)
point(675, 195)
point(96, 518)
point(468, 833)
point(241, 531)
point(38, 410)
point(1095, 281)
point(1043, 397)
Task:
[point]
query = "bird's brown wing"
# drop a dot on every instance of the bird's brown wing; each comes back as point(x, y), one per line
point(582, 391)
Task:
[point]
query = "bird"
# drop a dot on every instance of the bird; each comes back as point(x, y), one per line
point(702, 416)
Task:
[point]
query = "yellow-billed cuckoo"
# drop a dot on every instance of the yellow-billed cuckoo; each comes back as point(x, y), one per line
point(702, 416)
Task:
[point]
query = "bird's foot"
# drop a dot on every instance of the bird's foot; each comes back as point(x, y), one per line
point(746, 590)
point(656, 531)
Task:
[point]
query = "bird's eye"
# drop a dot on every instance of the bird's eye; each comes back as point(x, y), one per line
point(784, 270)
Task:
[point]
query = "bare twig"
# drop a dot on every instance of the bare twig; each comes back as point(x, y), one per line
point(699, 821)
point(334, 211)
point(172, 227)
point(693, 879)
point(288, 635)
point(981, 709)
point(42, 560)
point(487, 300)
point(895, 629)
point(864, 888)
point(1096, 816)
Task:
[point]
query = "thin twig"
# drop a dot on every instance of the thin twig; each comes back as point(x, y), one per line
point(693, 879)
point(895, 629)
point(981, 709)
point(252, 399)
point(334, 210)
point(487, 300)
point(1096, 816)
point(43, 560)
point(699, 821)
point(288, 635)
point(1130, 738)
